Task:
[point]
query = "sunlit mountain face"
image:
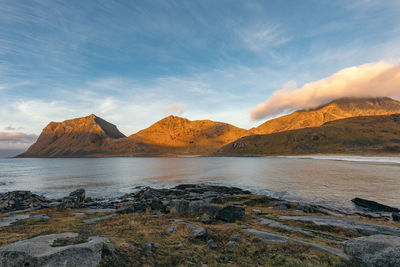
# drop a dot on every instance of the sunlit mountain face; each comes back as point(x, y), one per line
point(94, 137)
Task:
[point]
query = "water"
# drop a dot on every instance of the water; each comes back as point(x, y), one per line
point(325, 179)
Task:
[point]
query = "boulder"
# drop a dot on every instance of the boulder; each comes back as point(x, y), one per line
point(283, 205)
point(20, 200)
point(78, 194)
point(38, 251)
point(375, 250)
point(134, 207)
point(75, 200)
point(198, 232)
point(372, 205)
point(180, 206)
point(193, 208)
point(211, 244)
point(230, 213)
point(157, 204)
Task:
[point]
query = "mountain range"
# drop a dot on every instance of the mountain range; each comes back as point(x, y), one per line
point(342, 126)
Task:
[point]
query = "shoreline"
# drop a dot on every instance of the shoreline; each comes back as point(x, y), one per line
point(187, 225)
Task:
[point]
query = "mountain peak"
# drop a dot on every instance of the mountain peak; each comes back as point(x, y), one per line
point(365, 103)
point(337, 109)
point(73, 137)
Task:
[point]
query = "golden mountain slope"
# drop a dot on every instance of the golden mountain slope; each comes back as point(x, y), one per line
point(76, 137)
point(335, 110)
point(93, 136)
point(176, 135)
point(371, 134)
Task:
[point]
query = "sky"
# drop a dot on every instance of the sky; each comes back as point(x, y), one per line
point(135, 62)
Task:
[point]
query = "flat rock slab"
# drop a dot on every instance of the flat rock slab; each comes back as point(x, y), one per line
point(98, 219)
point(375, 250)
point(94, 211)
point(358, 227)
point(7, 221)
point(38, 251)
point(274, 238)
point(275, 224)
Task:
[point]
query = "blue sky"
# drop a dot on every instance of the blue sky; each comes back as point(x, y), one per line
point(135, 62)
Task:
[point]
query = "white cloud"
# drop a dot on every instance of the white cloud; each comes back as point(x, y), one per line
point(369, 80)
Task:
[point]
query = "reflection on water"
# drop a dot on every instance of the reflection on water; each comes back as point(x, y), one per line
point(312, 178)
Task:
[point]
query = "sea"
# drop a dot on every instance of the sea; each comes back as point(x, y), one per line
point(333, 180)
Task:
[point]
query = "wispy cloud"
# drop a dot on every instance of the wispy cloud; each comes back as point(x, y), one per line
point(262, 36)
point(17, 137)
point(176, 109)
point(12, 128)
point(369, 80)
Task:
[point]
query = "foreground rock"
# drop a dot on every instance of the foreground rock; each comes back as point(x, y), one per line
point(39, 251)
point(231, 213)
point(7, 221)
point(274, 238)
point(20, 200)
point(355, 226)
point(372, 205)
point(75, 200)
point(275, 224)
point(375, 250)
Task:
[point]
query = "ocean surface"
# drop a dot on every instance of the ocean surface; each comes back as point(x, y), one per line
point(332, 179)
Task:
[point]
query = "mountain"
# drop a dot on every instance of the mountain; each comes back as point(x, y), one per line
point(93, 136)
point(335, 110)
point(176, 135)
point(76, 137)
point(369, 134)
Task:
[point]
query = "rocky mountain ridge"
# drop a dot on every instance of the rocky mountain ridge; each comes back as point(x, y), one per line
point(92, 136)
point(334, 110)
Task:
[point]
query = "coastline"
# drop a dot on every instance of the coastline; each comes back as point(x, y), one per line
point(190, 223)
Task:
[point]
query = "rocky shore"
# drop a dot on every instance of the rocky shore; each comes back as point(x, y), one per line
point(193, 225)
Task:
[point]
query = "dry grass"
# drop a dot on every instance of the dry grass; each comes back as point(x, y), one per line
point(129, 234)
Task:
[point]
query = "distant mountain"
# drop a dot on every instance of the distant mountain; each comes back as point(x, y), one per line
point(76, 137)
point(93, 136)
point(335, 110)
point(370, 134)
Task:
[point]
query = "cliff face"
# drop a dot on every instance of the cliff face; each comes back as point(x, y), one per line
point(335, 110)
point(76, 137)
point(371, 134)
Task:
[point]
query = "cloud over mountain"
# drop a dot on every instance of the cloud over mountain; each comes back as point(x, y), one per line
point(376, 79)
point(13, 143)
point(176, 109)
